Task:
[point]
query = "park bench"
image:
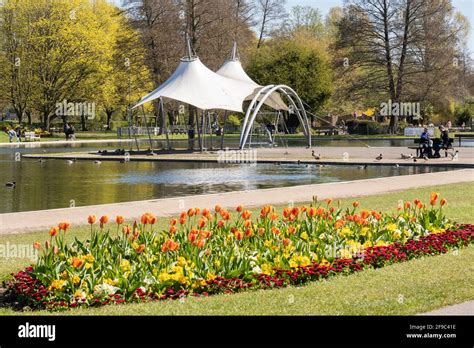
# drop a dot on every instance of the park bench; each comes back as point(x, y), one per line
point(435, 142)
point(461, 135)
point(326, 130)
point(31, 136)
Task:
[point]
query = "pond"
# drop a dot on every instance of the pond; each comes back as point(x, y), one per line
point(57, 184)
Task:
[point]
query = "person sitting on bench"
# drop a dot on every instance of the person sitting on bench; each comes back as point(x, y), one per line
point(443, 143)
point(426, 144)
point(444, 136)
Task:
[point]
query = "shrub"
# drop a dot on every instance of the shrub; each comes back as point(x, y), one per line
point(364, 127)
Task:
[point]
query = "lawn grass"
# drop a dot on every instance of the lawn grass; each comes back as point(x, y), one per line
point(425, 284)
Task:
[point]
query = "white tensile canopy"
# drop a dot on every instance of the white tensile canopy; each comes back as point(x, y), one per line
point(194, 84)
point(233, 69)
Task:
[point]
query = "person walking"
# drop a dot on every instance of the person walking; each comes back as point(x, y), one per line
point(11, 134)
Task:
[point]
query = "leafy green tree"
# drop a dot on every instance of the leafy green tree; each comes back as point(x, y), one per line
point(299, 62)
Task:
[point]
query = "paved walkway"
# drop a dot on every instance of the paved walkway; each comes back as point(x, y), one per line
point(466, 308)
point(40, 220)
point(329, 155)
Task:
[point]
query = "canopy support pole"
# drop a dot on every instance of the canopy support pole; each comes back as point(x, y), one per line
point(165, 126)
point(134, 134)
point(223, 130)
point(198, 131)
point(148, 131)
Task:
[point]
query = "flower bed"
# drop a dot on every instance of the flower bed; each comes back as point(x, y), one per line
point(207, 252)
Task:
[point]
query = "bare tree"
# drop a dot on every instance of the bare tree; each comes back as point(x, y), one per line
point(271, 13)
point(389, 41)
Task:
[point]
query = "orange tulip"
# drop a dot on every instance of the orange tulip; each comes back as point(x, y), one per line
point(202, 222)
point(172, 229)
point(311, 212)
point(265, 211)
point(286, 241)
point(217, 208)
point(77, 262)
point(420, 205)
point(320, 211)
point(169, 245)
point(246, 214)
point(261, 231)
point(182, 221)
point(64, 226)
point(220, 223)
point(173, 222)
point(276, 230)
point(192, 237)
point(151, 219)
point(443, 202)
point(434, 197)
point(407, 205)
point(249, 232)
point(355, 204)
point(365, 214)
point(328, 201)
point(291, 229)
point(416, 201)
point(119, 220)
point(103, 220)
point(37, 245)
point(338, 224)
point(239, 235)
point(240, 208)
point(140, 249)
point(53, 231)
point(376, 215)
point(247, 223)
point(126, 229)
point(174, 246)
point(332, 209)
point(225, 214)
point(91, 219)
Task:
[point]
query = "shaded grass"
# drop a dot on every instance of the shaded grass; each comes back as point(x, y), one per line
point(425, 284)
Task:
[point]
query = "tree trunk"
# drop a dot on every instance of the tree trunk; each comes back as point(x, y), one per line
point(83, 123)
point(28, 116)
point(109, 114)
point(398, 93)
point(262, 27)
point(388, 58)
point(46, 120)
